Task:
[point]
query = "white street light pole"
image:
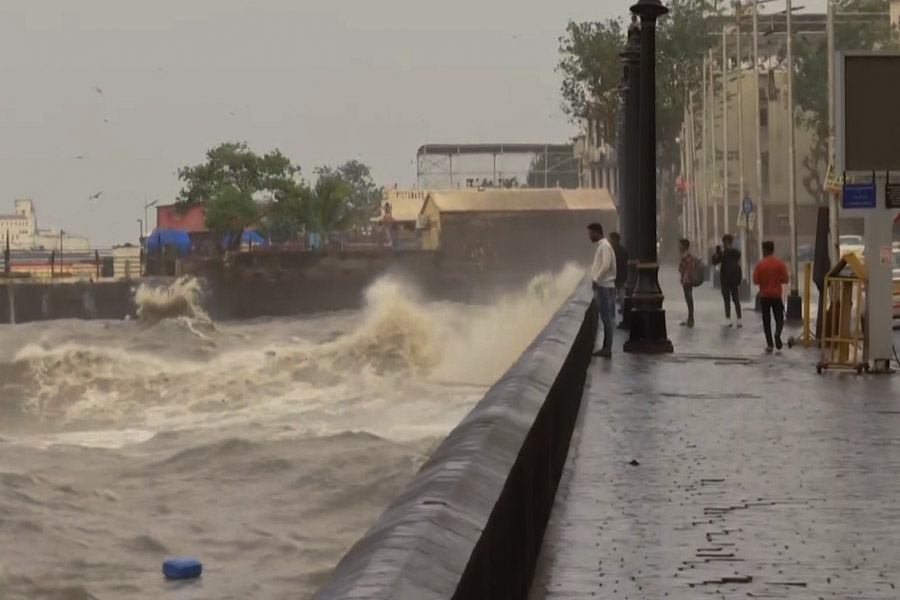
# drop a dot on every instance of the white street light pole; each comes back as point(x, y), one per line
point(834, 247)
point(725, 160)
point(760, 221)
point(792, 171)
point(706, 176)
point(740, 107)
point(712, 145)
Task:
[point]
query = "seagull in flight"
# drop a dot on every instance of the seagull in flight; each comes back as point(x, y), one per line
point(79, 157)
point(98, 90)
point(95, 196)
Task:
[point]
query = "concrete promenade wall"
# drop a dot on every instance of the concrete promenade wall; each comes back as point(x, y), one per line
point(23, 302)
point(470, 524)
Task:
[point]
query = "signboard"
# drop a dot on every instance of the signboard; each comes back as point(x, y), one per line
point(748, 221)
point(859, 195)
point(887, 255)
point(892, 196)
point(747, 205)
point(868, 119)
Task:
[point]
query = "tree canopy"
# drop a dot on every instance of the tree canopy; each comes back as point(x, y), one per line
point(240, 189)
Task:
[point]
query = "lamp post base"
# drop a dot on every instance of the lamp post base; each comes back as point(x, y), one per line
point(627, 307)
point(794, 307)
point(648, 333)
point(630, 285)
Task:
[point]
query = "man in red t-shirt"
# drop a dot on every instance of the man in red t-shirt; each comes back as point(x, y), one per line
point(770, 274)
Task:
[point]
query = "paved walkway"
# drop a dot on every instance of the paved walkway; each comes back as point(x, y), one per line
point(723, 472)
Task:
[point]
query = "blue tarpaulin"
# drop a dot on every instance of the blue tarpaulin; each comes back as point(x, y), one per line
point(169, 237)
point(247, 238)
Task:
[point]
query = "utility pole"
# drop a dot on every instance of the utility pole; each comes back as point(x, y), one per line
point(695, 215)
point(727, 222)
point(759, 178)
point(685, 197)
point(740, 108)
point(712, 144)
point(794, 305)
point(706, 176)
point(834, 247)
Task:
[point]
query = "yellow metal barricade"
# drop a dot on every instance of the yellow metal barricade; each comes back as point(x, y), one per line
point(842, 335)
point(807, 338)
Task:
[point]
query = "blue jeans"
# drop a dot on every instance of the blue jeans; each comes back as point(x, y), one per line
point(605, 299)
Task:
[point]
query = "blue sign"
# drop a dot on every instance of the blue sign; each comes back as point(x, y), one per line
point(859, 195)
point(748, 205)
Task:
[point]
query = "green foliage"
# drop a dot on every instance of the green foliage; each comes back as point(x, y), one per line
point(592, 70)
point(330, 207)
point(364, 195)
point(240, 189)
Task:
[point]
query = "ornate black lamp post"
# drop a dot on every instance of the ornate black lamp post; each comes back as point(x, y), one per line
point(631, 57)
point(648, 319)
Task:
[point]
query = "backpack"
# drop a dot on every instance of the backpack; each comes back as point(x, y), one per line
point(698, 272)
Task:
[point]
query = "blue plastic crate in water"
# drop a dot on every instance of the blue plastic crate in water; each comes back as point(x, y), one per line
point(182, 568)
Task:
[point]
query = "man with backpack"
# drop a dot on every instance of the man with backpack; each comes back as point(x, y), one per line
point(730, 273)
point(690, 270)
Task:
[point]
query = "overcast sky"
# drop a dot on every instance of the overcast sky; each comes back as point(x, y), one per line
point(323, 80)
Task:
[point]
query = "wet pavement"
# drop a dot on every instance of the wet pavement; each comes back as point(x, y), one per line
point(724, 472)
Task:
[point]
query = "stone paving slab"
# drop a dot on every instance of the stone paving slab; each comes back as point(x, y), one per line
point(753, 477)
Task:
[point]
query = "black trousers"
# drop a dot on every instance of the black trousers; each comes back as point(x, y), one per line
point(769, 306)
point(731, 294)
point(689, 299)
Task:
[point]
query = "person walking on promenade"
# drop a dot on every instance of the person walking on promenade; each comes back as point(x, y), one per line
point(730, 275)
point(615, 240)
point(770, 274)
point(603, 277)
point(686, 271)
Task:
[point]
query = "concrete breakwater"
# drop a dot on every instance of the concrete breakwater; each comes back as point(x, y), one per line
point(471, 522)
point(27, 301)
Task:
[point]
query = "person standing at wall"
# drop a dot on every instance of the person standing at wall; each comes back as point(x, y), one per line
point(770, 274)
point(615, 240)
point(603, 277)
point(686, 271)
point(729, 260)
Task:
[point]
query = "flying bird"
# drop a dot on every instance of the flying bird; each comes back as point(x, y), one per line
point(79, 157)
point(98, 90)
point(95, 196)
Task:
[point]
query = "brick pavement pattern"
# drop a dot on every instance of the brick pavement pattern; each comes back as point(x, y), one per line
point(724, 472)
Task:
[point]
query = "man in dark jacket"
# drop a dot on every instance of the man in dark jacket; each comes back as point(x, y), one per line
point(615, 241)
point(730, 275)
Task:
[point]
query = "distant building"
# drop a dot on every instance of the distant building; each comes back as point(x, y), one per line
point(171, 216)
point(525, 229)
point(22, 230)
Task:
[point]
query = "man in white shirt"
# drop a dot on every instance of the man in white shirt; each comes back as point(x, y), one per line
point(603, 276)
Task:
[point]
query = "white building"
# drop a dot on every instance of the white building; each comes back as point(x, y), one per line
point(22, 230)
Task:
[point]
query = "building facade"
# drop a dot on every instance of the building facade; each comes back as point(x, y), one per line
point(597, 159)
point(22, 232)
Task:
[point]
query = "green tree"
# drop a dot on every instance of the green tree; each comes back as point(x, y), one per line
point(329, 207)
point(364, 195)
point(232, 182)
point(811, 76)
point(591, 70)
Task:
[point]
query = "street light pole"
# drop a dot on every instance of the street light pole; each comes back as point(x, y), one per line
point(834, 247)
point(794, 305)
point(740, 109)
point(706, 176)
point(725, 161)
point(632, 172)
point(712, 143)
point(648, 320)
point(760, 221)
